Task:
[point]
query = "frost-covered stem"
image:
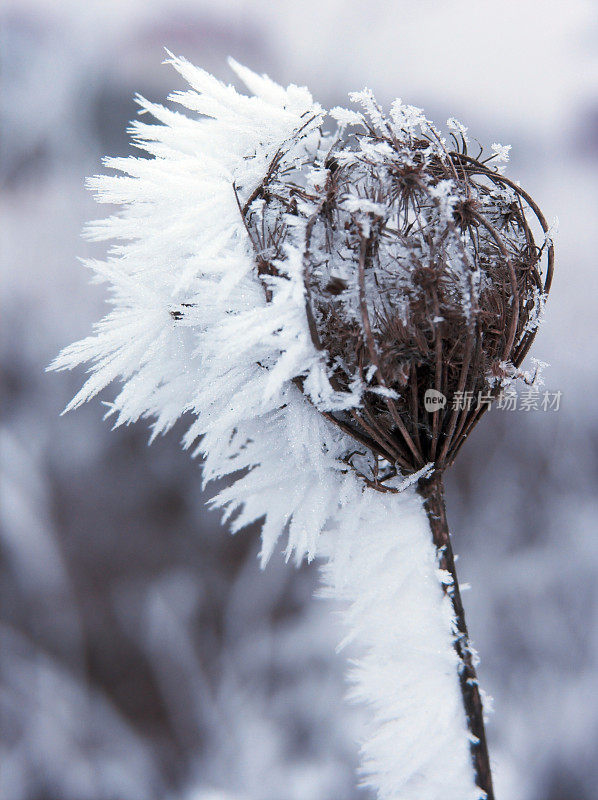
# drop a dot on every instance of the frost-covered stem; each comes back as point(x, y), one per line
point(432, 490)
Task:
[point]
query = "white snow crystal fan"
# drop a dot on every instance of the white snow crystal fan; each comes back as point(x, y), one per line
point(336, 310)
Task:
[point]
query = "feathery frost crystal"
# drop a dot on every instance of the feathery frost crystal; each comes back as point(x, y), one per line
point(296, 292)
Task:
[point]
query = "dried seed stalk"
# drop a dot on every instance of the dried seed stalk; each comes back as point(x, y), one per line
point(421, 272)
point(432, 491)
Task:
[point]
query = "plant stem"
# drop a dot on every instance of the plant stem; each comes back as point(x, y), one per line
point(432, 491)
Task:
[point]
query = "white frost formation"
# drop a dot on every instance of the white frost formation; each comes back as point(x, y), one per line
point(381, 562)
point(191, 331)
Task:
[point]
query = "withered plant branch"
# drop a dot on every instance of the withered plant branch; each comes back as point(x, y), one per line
point(470, 421)
point(514, 299)
point(401, 455)
point(313, 328)
point(437, 373)
point(463, 417)
point(441, 463)
point(432, 491)
point(371, 444)
point(273, 166)
point(414, 407)
point(496, 178)
point(371, 345)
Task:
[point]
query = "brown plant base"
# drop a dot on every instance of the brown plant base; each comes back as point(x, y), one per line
point(432, 491)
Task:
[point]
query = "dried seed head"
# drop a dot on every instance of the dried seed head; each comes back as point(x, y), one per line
point(423, 271)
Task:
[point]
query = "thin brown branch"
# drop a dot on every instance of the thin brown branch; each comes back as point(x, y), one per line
point(371, 345)
point(432, 491)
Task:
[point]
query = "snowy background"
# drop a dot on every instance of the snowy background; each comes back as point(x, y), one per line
point(142, 652)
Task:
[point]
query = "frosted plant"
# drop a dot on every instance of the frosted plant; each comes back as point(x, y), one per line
point(305, 296)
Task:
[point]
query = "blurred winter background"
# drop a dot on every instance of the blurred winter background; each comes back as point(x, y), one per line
point(142, 653)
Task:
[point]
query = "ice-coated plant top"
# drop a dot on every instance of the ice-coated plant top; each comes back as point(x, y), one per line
point(420, 271)
point(300, 291)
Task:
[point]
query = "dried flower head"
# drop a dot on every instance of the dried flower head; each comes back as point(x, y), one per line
point(423, 277)
point(301, 293)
